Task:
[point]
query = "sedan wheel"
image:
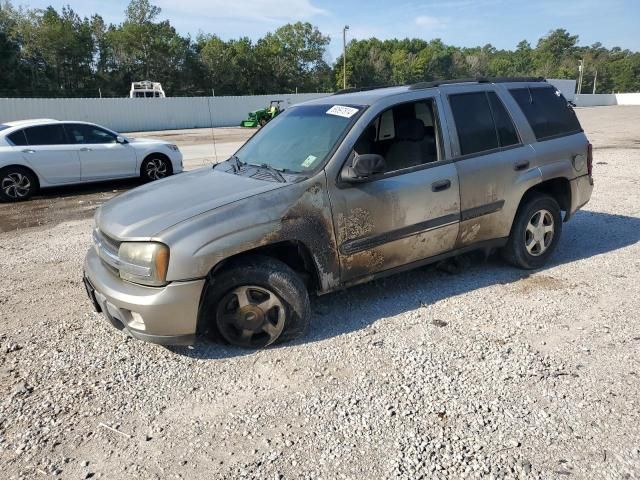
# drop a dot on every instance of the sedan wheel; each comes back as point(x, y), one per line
point(251, 316)
point(16, 185)
point(156, 168)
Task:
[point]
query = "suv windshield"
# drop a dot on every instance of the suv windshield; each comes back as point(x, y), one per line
point(300, 138)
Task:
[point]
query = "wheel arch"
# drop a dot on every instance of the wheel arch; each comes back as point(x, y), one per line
point(558, 188)
point(292, 253)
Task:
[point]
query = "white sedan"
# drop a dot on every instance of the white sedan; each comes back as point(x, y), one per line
point(45, 153)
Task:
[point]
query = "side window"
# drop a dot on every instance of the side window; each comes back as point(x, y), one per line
point(18, 138)
point(507, 134)
point(80, 133)
point(46, 135)
point(406, 136)
point(474, 122)
point(547, 111)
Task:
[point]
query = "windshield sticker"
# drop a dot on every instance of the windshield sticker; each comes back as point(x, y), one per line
point(341, 111)
point(309, 161)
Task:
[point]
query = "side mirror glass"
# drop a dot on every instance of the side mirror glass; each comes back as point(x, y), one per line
point(120, 139)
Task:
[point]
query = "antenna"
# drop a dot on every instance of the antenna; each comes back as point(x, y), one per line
point(213, 135)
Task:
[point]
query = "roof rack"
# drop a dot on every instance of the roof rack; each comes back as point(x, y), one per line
point(360, 89)
point(437, 83)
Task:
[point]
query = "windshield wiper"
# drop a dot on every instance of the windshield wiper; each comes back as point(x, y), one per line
point(238, 164)
point(276, 174)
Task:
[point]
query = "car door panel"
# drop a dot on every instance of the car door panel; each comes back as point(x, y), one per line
point(491, 187)
point(101, 156)
point(397, 220)
point(56, 164)
point(104, 161)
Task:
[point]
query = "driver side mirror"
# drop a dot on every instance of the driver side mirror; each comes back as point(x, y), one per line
point(121, 140)
point(363, 167)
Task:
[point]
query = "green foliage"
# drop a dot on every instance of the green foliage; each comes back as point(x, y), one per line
point(50, 53)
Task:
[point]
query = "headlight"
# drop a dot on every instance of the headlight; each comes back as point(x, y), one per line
point(144, 262)
point(174, 148)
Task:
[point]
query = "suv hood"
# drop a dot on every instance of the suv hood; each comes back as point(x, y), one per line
point(145, 212)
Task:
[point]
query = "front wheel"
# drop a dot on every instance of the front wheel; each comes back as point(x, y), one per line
point(535, 233)
point(256, 302)
point(17, 184)
point(155, 168)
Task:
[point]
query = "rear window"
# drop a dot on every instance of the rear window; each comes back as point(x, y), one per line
point(547, 111)
point(46, 135)
point(18, 138)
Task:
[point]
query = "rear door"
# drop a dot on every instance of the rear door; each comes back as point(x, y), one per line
point(101, 156)
point(492, 161)
point(48, 152)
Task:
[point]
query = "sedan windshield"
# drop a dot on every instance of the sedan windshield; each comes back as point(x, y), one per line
point(300, 138)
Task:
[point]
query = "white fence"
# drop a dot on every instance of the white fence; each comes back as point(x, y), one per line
point(602, 99)
point(143, 114)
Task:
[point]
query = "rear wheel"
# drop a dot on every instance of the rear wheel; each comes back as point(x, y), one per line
point(535, 233)
point(263, 121)
point(17, 184)
point(256, 302)
point(155, 168)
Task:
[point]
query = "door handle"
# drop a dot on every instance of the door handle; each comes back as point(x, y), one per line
point(85, 149)
point(521, 165)
point(440, 185)
point(28, 150)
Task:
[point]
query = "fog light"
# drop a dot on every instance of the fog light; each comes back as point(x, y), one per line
point(137, 322)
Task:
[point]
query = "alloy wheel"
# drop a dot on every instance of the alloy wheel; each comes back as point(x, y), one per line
point(251, 316)
point(156, 169)
point(16, 185)
point(538, 235)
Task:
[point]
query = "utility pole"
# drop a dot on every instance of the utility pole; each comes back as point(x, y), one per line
point(595, 80)
point(581, 70)
point(344, 56)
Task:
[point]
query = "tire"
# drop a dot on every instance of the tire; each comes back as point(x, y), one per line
point(17, 184)
point(263, 121)
point(275, 304)
point(155, 168)
point(535, 233)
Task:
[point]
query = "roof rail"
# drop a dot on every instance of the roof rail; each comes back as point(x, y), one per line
point(437, 83)
point(360, 89)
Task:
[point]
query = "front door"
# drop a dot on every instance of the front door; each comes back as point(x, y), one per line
point(409, 213)
point(101, 156)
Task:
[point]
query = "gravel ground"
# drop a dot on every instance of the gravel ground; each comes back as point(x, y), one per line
point(486, 372)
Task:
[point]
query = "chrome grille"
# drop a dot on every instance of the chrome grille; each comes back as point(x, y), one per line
point(107, 249)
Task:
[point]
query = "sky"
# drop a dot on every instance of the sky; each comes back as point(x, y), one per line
point(467, 23)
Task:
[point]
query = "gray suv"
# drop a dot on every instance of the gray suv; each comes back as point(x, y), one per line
point(336, 192)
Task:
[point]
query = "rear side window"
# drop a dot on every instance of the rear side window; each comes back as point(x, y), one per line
point(507, 134)
point(472, 114)
point(547, 111)
point(18, 138)
point(46, 135)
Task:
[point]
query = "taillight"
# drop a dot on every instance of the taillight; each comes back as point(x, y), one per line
point(590, 159)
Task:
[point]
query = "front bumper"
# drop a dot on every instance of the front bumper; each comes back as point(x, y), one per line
point(166, 315)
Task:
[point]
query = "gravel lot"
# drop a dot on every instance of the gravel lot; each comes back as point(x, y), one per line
point(486, 372)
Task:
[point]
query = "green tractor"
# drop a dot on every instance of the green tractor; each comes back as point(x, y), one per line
point(264, 115)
